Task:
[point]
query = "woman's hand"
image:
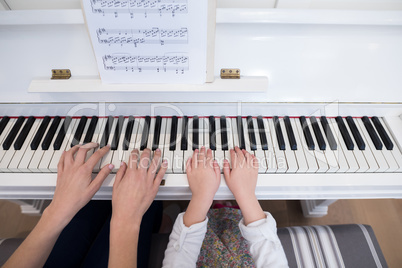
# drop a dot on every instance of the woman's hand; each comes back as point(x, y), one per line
point(136, 185)
point(204, 178)
point(242, 180)
point(75, 186)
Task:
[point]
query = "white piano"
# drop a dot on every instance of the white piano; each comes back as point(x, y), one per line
point(328, 71)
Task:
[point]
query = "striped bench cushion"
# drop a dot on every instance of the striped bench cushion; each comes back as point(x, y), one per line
point(351, 245)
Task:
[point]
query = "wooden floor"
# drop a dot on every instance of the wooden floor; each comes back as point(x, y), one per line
point(385, 216)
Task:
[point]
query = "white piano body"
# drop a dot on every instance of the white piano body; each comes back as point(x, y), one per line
point(318, 62)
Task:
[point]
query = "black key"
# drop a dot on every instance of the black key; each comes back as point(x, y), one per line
point(13, 133)
point(79, 131)
point(106, 132)
point(240, 132)
point(224, 134)
point(383, 134)
point(373, 134)
point(62, 133)
point(24, 133)
point(196, 130)
point(251, 134)
point(307, 133)
point(328, 133)
point(291, 135)
point(50, 134)
point(184, 134)
point(91, 129)
point(157, 133)
point(356, 134)
point(117, 133)
point(128, 134)
point(212, 133)
point(173, 134)
point(3, 123)
point(263, 136)
point(39, 134)
point(145, 133)
point(318, 135)
point(345, 134)
point(278, 131)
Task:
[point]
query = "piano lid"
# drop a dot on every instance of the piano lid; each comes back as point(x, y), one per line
point(307, 55)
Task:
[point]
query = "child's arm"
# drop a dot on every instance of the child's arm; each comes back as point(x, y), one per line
point(189, 230)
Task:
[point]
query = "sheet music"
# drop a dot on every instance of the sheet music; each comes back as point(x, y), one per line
point(149, 41)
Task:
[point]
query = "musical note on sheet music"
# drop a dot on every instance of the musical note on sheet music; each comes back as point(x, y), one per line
point(177, 63)
point(145, 7)
point(145, 36)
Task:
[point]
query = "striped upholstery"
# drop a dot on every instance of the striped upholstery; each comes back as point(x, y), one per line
point(352, 245)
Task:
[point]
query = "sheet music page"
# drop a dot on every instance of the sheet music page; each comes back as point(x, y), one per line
point(149, 41)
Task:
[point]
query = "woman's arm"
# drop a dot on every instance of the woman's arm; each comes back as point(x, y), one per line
point(189, 230)
point(74, 189)
point(134, 189)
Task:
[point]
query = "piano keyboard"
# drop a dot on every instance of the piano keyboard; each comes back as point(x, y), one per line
point(281, 144)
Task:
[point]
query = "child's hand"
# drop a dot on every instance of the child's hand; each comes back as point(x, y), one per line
point(204, 177)
point(242, 179)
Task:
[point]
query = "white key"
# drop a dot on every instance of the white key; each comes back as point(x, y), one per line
point(44, 156)
point(303, 161)
point(11, 149)
point(18, 155)
point(206, 133)
point(270, 156)
point(290, 155)
point(107, 158)
point(395, 151)
point(319, 154)
point(350, 157)
point(361, 160)
point(52, 166)
point(333, 165)
point(187, 154)
point(370, 148)
point(178, 153)
point(279, 154)
point(29, 153)
point(118, 154)
point(339, 153)
point(302, 146)
point(259, 153)
point(235, 133)
point(219, 154)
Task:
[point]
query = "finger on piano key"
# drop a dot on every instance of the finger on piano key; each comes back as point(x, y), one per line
point(219, 153)
point(10, 161)
point(15, 130)
point(188, 149)
point(307, 133)
point(350, 157)
point(65, 143)
point(271, 158)
point(3, 123)
point(299, 152)
point(395, 151)
point(338, 152)
point(308, 153)
point(45, 151)
point(119, 153)
point(107, 158)
point(167, 153)
point(35, 145)
point(383, 134)
point(293, 165)
point(333, 165)
point(355, 132)
point(328, 133)
point(361, 160)
point(372, 133)
point(279, 154)
point(318, 153)
point(278, 131)
point(177, 163)
point(374, 154)
point(259, 153)
point(317, 132)
point(79, 131)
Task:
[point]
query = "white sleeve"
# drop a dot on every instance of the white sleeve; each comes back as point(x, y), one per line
point(264, 244)
point(184, 243)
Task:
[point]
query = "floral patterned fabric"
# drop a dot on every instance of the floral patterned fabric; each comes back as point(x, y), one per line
point(223, 245)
